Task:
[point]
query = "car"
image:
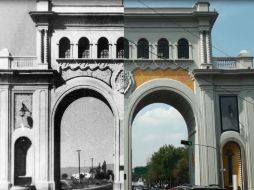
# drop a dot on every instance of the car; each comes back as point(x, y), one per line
point(65, 185)
point(189, 187)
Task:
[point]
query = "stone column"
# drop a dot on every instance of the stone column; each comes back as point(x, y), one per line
point(130, 51)
point(150, 51)
point(45, 60)
point(207, 141)
point(45, 46)
point(175, 51)
point(208, 47)
point(201, 44)
point(171, 52)
point(75, 51)
point(190, 51)
point(39, 45)
point(4, 138)
point(110, 53)
point(90, 51)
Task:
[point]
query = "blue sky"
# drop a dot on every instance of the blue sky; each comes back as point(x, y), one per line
point(160, 124)
point(233, 30)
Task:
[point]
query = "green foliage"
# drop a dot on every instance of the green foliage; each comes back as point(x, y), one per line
point(169, 163)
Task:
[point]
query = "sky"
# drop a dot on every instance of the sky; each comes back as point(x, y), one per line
point(87, 124)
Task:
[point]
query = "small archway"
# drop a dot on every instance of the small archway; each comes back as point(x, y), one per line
point(64, 48)
point(103, 48)
point(183, 49)
point(83, 48)
point(22, 162)
point(120, 48)
point(232, 165)
point(163, 48)
point(143, 49)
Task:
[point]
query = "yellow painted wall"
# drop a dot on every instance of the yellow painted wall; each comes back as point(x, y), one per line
point(142, 76)
point(236, 159)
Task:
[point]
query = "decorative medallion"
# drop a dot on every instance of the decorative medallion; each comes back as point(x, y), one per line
point(122, 81)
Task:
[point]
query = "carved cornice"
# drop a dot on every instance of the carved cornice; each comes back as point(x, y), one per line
point(144, 64)
point(88, 64)
point(77, 19)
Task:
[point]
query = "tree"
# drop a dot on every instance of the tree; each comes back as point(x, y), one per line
point(162, 165)
point(104, 167)
point(179, 173)
point(64, 176)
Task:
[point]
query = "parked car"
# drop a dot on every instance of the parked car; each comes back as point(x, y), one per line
point(65, 185)
point(188, 187)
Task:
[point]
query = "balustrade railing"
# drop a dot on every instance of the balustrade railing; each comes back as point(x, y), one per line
point(227, 63)
point(23, 62)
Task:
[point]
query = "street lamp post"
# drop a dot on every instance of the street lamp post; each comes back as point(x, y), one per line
point(78, 151)
point(92, 168)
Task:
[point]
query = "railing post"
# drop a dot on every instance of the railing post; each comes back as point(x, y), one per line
point(5, 62)
point(245, 60)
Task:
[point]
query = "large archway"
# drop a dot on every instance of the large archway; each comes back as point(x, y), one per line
point(169, 92)
point(77, 89)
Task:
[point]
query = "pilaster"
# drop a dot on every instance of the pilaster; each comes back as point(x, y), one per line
point(208, 47)
point(5, 138)
point(41, 111)
point(209, 170)
point(39, 45)
point(5, 62)
point(45, 46)
point(201, 49)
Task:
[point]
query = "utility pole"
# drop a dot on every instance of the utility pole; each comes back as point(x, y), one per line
point(92, 167)
point(78, 151)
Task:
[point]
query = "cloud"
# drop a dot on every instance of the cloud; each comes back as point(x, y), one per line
point(153, 127)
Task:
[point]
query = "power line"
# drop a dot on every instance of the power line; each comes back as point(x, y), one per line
point(185, 29)
point(186, 69)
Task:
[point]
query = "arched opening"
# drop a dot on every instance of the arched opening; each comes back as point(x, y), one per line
point(157, 130)
point(143, 49)
point(22, 162)
point(148, 95)
point(120, 48)
point(64, 48)
point(84, 121)
point(183, 49)
point(103, 48)
point(163, 48)
point(232, 166)
point(83, 48)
